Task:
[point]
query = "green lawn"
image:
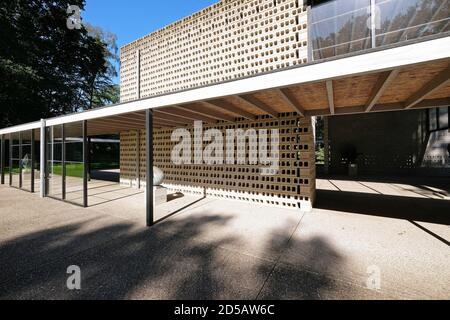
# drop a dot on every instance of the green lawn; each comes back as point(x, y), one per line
point(320, 156)
point(14, 170)
point(76, 169)
point(72, 169)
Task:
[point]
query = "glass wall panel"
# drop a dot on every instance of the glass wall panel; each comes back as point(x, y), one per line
point(74, 162)
point(443, 118)
point(37, 160)
point(15, 160)
point(403, 20)
point(340, 27)
point(26, 159)
point(343, 26)
point(432, 117)
point(54, 162)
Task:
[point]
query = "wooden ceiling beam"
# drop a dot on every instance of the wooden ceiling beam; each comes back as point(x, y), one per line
point(256, 103)
point(383, 83)
point(385, 107)
point(330, 95)
point(187, 115)
point(210, 114)
point(169, 121)
point(225, 105)
point(291, 101)
point(162, 115)
point(438, 82)
point(115, 122)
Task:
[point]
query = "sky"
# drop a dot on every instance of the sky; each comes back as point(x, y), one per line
point(132, 19)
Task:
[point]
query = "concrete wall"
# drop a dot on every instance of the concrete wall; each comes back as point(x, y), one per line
point(391, 143)
point(292, 187)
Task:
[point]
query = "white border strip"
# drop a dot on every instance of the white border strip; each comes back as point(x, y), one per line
point(361, 64)
point(22, 127)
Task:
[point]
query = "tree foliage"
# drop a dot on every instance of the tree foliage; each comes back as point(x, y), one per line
point(47, 69)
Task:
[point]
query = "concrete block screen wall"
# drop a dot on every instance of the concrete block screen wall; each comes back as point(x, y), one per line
point(292, 187)
point(226, 41)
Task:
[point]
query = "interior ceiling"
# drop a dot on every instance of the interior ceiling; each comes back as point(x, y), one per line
point(419, 86)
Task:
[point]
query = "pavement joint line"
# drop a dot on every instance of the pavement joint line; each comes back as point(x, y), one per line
point(364, 184)
point(412, 191)
point(195, 207)
point(431, 233)
point(279, 256)
point(334, 185)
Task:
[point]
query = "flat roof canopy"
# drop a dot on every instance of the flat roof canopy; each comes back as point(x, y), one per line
point(399, 78)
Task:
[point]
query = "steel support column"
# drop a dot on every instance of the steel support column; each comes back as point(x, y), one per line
point(63, 160)
point(149, 167)
point(20, 161)
point(10, 158)
point(2, 160)
point(85, 164)
point(42, 166)
point(138, 159)
point(89, 160)
point(32, 160)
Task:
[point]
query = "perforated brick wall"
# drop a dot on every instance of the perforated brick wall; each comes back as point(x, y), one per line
point(228, 40)
point(293, 186)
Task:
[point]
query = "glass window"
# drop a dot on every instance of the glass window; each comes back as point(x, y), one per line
point(339, 27)
point(443, 118)
point(54, 161)
point(432, 119)
point(37, 159)
point(15, 160)
point(343, 26)
point(74, 162)
point(403, 20)
point(26, 160)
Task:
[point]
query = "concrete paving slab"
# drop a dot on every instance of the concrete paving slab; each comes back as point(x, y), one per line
point(148, 264)
point(344, 246)
point(251, 227)
point(226, 249)
point(293, 283)
point(37, 248)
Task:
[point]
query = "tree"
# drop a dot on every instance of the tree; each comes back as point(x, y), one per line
point(47, 69)
point(101, 91)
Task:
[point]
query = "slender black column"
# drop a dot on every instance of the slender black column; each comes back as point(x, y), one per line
point(85, 164)
point(138, 159)
point(2, 160)
point(149, 167)
point(32, 159)
point(10, 158)
point(20, 160)
point(63, 160)
point(89, 158)
point(47, 148)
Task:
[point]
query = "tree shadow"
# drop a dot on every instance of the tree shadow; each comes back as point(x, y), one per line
point(115, 261)
point(396, 207)
point(173, 260)
point(306, 270)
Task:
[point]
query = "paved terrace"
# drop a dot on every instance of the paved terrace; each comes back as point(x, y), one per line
point(219, 249)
